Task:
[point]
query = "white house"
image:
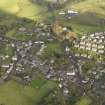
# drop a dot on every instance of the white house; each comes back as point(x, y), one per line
point(70, 73)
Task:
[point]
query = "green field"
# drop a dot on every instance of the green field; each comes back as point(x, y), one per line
point(13, 10)
point(94, 6)
point(14, 93)
point(21, 8)
point(12, 34)
point(6, 50)
point(52, 49)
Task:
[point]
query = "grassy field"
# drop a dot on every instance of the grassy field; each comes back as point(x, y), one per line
point(14, 93)
point(12, 34)
point(52, 49)
point(44, 91)
point(94, 6)
point(21, 8)
point(13, 10)
point(6, 50)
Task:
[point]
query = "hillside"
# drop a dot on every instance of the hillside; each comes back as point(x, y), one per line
point(94, 6)
point(90, 18)
point(21, 8)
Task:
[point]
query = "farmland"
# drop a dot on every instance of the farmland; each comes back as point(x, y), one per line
point(90, 18)
point(52, 52)
point(14, 93)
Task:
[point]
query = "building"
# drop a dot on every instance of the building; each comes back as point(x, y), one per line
point(93, 45)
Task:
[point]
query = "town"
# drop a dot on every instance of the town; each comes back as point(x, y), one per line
point(25, 58)
point(55, 56)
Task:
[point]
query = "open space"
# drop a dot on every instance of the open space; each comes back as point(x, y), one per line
point(14, 93)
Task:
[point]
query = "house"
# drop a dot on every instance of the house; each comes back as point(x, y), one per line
point(94, 45)
point(7, 56)
point(97, 37)
point(66, 91)
point(82, 47)
point(89, 56)
point(95, 40)
point(22, 29)
point(84, 81)
point(77, 46)
point(84, 55)
point(88, 44)
point(5, 66)
point(101, 51)
point(100, 46)
point(62, 13)
point(14, 58)
point(48, 76)
point(77, 55)
point(100, 41)
point(83, 37)
point(102, 37)
point(13, 45)
point(60, 85)
point(67, 49)
point(71, 13)
point(9, 70)
point(70, 73)
point(82, 43)
point(39, 42)
point(92, 35)
point(94, 49)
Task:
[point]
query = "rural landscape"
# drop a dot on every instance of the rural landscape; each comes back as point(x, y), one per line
point(52, 52)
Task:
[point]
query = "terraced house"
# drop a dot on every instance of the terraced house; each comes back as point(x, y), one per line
point(91, 45)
